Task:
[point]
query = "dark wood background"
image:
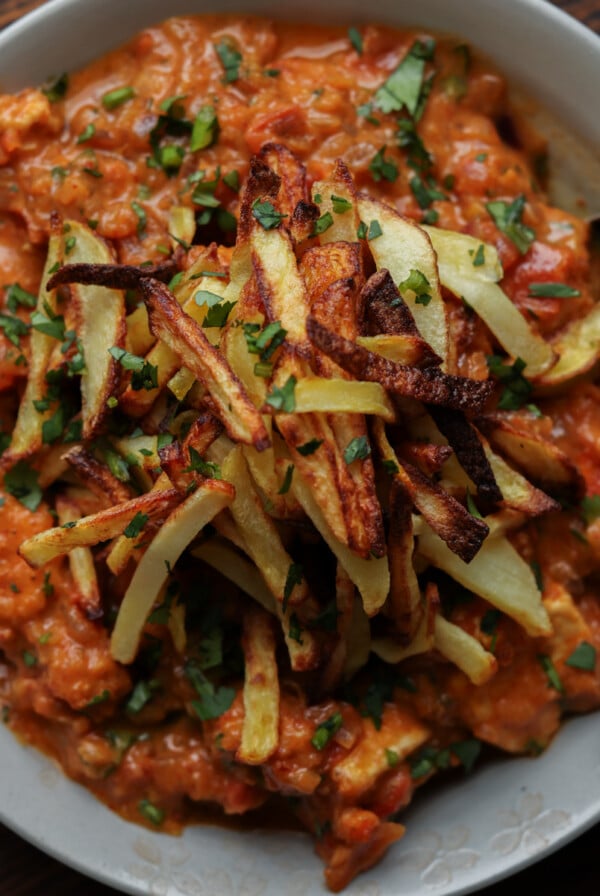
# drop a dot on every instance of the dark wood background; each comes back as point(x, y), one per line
point(24, 871)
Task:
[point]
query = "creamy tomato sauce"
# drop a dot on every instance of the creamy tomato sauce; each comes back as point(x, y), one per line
point(121, 167)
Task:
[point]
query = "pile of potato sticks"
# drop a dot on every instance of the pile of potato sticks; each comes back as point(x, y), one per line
point(314, 384)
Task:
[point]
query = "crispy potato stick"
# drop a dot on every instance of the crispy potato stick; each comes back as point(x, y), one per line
point(321, 267)
point(97, 477)
point(123, 546)
point(541, 461)
point(464, 651)
point(393, 651)
point(498, 573)
point(403, 247)
point(105, 273)
point(336, 396)
point(429, 459)
point(181, 226)
point(466, 443)
point(578, 349)
point(463, 533)
point(279, 282)
point(371, 577)
point(345, 212)
point(170, 323)
point(429, 385)
point(181, 383)
point(260, 728)
point(53, 465)
point(90, 530)
point(387, 313)
point(218, 554)
point(405, 597)
point(260, 534)
point(478, 286)
point(81, 562)
point(27, 432)
point(100, 325)
point(404, 350)
point(291, 173)
point(400, 731)
point(517, 492)
point(139, 339)
point(178, 530)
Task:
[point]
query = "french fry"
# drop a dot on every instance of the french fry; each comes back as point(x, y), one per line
point(429, 385)
point(260, 534)
point(498, 574)
point(123, 547)
point(217, 553)
point(183, 335)
point(577, 348)
point(81, 562)
point(478, 286)
point(394, 651)
point(260, 728)
point(338, 396)
point(405, 597)
point(464, 651)
point(179, 529)
point(344, 213)
point(97, 477)
point(517, 492)
point(27, 432)
point(403, 247)
point(463, 533)
point(371, 577)
point(540, 460)
point(45, 546)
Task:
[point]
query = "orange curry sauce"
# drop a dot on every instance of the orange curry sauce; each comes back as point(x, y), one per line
point(309, 89)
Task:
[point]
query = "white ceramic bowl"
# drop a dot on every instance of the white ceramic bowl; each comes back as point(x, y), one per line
point(470, 831)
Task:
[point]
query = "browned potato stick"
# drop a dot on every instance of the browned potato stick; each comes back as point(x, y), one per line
point(292, 175)
point(81, 562)
point(97, 477)
point(402, 247)
point(429, 385)
point(463, 533)
point(110, 275)
point(386, 312)
point(321, 267)
point(139, 339)
point(405, 602)
point(185, 337)
point(466, 443)
point(179, 529)
point(259, 531)
point(27, 433)
point(123, 546)
point(260, 728)
point(346, 219)
point(464, 651)
point(578, 350)
point(42, 548)
point(280, 285)
point(540, 460)
point(517, 492)
point(428, 458)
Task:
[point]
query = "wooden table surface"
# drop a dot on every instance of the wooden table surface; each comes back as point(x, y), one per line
point(25, 871)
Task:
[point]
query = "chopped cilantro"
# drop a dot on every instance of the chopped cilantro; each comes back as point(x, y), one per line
point(322, 224)
point(537, 572)
point(53, 325)
point(133, 529)
point(16, 295)
point(141, 695)
point(479, 256)
point(13, 328)
point(467, 752)
point(418, 283)
point(117, 97)
point(425, 191)
point(295, 629)
point(583, 657)
point(382, 168)
point(230, 60)
point(361, 231)
point(590, 508)
point(489, 621)
point(309, 447)
point(507, 218)
point(266, 214)
point(339, 204)
point(140, 214)
point(204, 467)
point(29, 658)
point(22, 483)
point(326, 730)
point(56, 90)
point(144, 375)
point(392, 758)
point(283, 398)
point(217, 315)
point(551, 673)
point(355, 38)
point(87, 133)
point(391, 467)
point(212, 701)
point(98, 698)
point(357, 449)
point(403, 88)
point(151, 812)
point(517, 388)
point(287, 480)
point(374, 230)
point(553, 290)
point(232, 180)
point(205, 130)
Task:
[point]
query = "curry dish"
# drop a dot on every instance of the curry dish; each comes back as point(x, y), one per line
point(300, 504)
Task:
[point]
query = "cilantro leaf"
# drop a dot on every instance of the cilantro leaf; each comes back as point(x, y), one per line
point(517, 388)
point(553, 290)
point(230, 60)
point(309, 447)
point(217, 315)
point(552, 675)
point(144, 375)
point(287, 480)
point(583, 657)
point(382, 168)
point(294, 577)
point(57, 89)
point(204, 467)
point(357, 449)
point(283, 398)
point(418, 283)
point(326, 730)
point(402, 89)
point(322, 224)
point(355, 38)
point(13, 328)
point(133, 528)
point(507, 218)
point(339, 204)
point(117, 97)
point(266, 214)
point(22, 483)
point(205, 130)
point(212, 701)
